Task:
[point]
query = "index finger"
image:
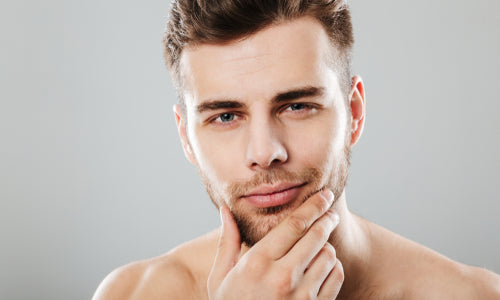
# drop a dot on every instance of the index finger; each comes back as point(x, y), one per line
point(282, 237)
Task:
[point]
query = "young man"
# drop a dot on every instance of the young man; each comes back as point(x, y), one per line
point(268, 113)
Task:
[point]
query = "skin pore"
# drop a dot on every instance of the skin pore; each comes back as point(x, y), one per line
point(242, 137)
point(267, 112)
point(242, 132)
point(287, 123)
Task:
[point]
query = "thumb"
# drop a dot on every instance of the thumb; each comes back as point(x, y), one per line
point(228, 249)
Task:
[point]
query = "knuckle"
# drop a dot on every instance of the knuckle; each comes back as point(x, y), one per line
point(339, 272)
point(317, 232)
point(244, 263)
point(283, 285)
point(261, 255)
point(283, 281)
point(298, 224)
point(321, 204)
point(320, 231)
point(254, 266)
point(330, 252)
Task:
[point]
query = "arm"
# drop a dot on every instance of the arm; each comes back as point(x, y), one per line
point(147, 280)
point(487, 284)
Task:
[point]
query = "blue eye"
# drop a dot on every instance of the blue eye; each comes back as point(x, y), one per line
point(226, 117)
point(297, 106)
point(225, 120)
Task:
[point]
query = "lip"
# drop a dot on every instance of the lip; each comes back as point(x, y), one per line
point(269, 196)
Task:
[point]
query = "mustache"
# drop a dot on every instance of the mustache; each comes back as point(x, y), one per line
point(270, 177)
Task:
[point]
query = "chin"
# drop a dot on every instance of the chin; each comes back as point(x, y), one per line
point(256, 223)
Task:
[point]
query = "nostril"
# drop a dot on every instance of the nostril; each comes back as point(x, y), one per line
point(275, 161)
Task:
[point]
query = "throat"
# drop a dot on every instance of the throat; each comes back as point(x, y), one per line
point(351, 240)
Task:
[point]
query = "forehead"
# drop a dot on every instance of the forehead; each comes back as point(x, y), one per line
point(279, 57)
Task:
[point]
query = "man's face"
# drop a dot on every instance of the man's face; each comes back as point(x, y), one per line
point(266, 122)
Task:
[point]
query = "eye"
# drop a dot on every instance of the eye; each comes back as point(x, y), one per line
point(298, 106)
point(300, 110)
point(225, 117)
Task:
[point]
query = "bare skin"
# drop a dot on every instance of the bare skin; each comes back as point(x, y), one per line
point(310, 253)
point(375, 264)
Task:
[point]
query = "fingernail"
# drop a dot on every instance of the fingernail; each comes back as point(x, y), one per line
point(328, 195)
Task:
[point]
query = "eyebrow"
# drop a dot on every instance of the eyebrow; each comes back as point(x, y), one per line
point(294, 94)
point(290, 95)
point(219, 104)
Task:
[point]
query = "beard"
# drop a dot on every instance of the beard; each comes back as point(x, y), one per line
point(254, 223)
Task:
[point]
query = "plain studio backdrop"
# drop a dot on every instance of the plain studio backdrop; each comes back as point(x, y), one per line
point(92, 174)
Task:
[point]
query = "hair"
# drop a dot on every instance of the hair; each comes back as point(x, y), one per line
point(195, 22)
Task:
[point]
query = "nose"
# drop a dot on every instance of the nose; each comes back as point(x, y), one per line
point(265, 147)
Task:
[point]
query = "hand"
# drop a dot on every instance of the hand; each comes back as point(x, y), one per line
point(293, 261)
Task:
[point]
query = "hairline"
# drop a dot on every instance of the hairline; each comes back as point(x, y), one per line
point(339, 66)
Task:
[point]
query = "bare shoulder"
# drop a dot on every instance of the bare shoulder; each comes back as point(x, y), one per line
point(439, 277)
point(486, 283)
point(179, 274)
point(407, 270)
point(148, 279)
point(458, 281)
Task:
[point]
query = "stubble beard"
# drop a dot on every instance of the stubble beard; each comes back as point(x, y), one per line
point(255, 224)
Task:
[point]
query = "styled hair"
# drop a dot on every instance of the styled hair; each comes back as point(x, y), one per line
point(194, 22)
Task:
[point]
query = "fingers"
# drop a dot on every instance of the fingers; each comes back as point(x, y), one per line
point(319, 269)
point(308, 247)
point(331, 286)
point(228, 248)
point(282, 238)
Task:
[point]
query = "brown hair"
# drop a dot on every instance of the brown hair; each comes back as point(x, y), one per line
point(194, 22)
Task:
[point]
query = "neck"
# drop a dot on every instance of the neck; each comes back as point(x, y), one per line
point(352, 245)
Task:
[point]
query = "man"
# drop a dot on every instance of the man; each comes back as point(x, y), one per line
point(268, 114)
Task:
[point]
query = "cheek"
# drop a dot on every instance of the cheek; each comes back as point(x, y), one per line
point(320, 144)
point(312, 151)
point(218, 158)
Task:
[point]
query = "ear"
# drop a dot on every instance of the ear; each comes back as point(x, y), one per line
point(181, 129)
point(358, 107)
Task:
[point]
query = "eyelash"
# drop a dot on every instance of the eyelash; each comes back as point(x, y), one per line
point(306, 107)
point(220, 123)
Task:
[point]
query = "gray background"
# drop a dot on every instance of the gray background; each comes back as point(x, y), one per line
point(92, 175)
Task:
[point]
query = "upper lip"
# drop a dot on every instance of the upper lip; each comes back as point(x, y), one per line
point(271, 189)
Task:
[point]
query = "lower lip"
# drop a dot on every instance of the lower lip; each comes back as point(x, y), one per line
point(275, 199)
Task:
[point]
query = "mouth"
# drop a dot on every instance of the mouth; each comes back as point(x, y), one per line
point(270, 196)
